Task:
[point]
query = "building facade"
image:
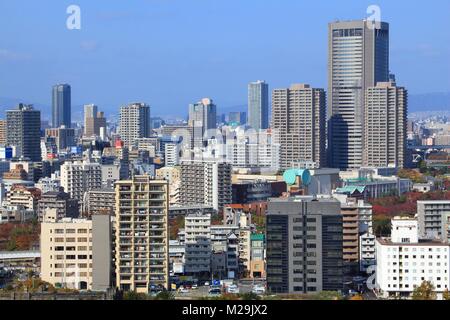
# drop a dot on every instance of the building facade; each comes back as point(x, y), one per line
point(24, 131)
point(385, 120)
point(206, 182)
point(62, 106)
point(304, 245)
point(134, 123)
point(358, 58)
point(299, 120)
point(142, 234)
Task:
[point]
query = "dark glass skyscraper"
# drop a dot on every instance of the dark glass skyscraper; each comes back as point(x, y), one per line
point(24, 131)
point(258, 105)
point(61, 106)
point(358, 59)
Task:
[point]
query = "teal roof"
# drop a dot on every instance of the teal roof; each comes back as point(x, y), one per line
point(257, 237)
point(351, 189)
point(290, 176)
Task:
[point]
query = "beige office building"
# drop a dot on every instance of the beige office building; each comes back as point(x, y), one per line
point(93, 120)
point(142, 235)
point(385, 125)
point(76, 253)
point(299, 121)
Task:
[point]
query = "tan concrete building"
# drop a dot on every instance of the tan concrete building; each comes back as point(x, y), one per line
point(299, 122)
point(385, 125)
point(142, 235)
point(173, 175)
point(76, 253)
point(2, 132)
point(93, 120)
point(23, 196)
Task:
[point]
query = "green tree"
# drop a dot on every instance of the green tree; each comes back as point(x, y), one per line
point(424, 292)
point(165, 295)
point(328, 295)
point(446, 295)
point(133, 295)
point(249, 296)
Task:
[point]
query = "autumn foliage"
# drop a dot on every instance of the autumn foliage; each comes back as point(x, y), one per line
point(18, 237)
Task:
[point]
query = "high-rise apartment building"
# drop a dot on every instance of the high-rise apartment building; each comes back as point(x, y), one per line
point(134, 123)
point(172, 154)
point(432, 218)
point(93, 120)
point(197, 244)
point(358, 59)
point(304, 245)
point(78, 177)
point(299, 121)
point(3, 127)
point(61, 106)
point(24, 131)
point(251, 149)
point(142, 234)
point(385, 122)
point(258, 105)
point(206, 182)
point(202, 117)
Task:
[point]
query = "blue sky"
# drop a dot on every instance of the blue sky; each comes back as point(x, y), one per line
point(170, 53)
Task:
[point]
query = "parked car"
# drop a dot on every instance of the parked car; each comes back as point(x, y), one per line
point(214, 292)
point(233, 289)
point(183, 290)
point(259, 290)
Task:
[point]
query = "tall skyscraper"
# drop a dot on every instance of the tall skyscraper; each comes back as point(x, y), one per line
point(385, 126)
point(202, 117)
point(61, 106)
point(304, 245)
point(142, 234)
point(299, 122)
point(134, 122)
point(358, 58)
point(24, 131)
point(93, 120)
point(258, 105)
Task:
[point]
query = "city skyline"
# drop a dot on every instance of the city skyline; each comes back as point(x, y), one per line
point(156, 65)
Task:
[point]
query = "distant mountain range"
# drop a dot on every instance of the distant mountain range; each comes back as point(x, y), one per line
point(417, 103)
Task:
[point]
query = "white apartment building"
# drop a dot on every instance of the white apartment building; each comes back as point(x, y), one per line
point(404, 263)
point(197, 244)
point(76, 253)
point(247, 148)
point(78, 177)
point(172, 154)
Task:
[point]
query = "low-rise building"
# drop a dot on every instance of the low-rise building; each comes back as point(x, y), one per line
point(76, 253)
point(404, 262)
point(257, 256)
